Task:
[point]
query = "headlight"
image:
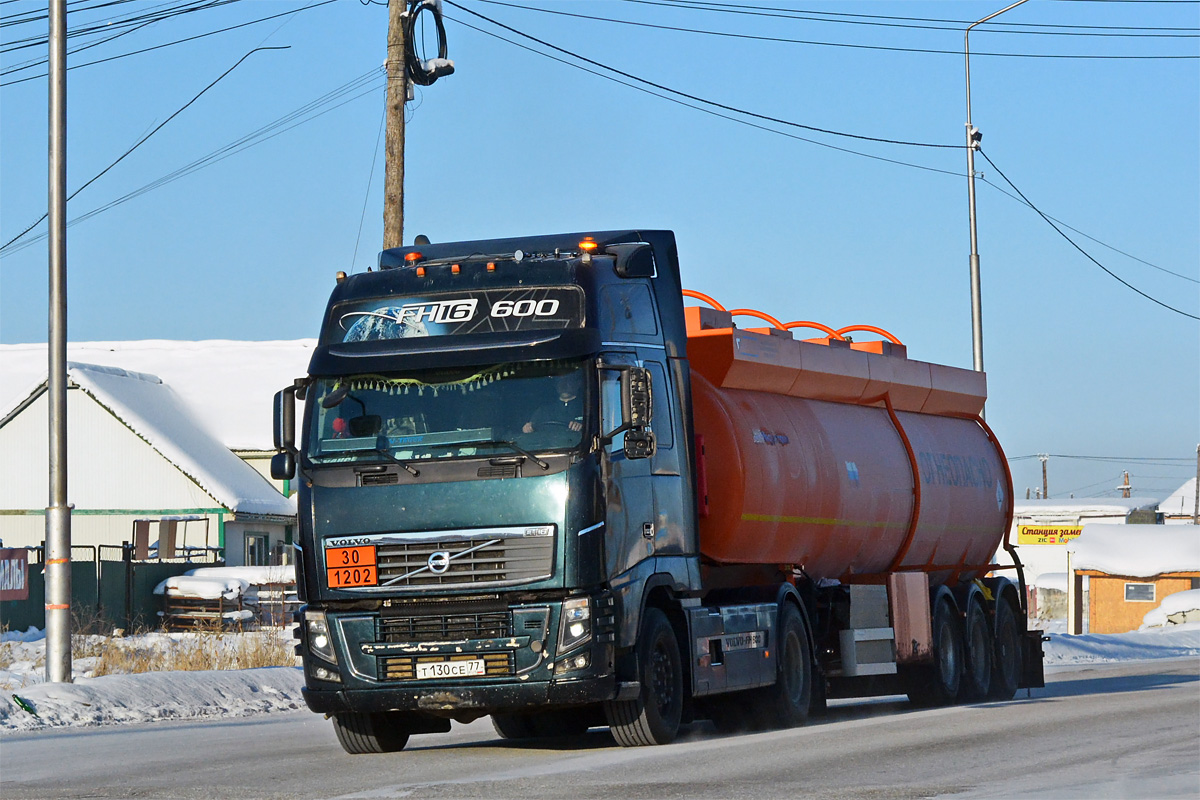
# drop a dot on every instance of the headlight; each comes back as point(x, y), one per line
point(575, 626)
point(318, 636)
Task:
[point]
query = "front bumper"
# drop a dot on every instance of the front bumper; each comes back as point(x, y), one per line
point(449, 700)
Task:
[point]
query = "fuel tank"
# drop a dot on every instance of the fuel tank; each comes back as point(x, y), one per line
point(801, 461)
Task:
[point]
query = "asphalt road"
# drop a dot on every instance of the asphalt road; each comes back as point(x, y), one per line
point(1109, 731)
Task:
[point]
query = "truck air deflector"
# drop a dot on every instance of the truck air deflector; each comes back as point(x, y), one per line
point(457, 351)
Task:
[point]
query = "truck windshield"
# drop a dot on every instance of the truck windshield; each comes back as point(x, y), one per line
point(450, 413)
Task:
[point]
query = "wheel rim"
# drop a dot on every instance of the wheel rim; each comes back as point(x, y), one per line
point(948, 655)
point(662, 678)
point(792, 680)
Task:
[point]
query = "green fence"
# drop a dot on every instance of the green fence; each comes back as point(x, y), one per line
point(108, 589)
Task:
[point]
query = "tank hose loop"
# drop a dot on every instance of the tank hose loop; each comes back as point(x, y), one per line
point(914, 517)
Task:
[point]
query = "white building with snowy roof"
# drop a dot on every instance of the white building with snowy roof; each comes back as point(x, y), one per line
point(1180, 507)
point(138, 451)
point(226, 385)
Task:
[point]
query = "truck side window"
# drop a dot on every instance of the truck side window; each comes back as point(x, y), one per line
point(610, 406)
point(660, 418)
point(626, 308)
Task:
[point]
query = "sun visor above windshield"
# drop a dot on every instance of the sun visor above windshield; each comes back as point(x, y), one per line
point(379, 356)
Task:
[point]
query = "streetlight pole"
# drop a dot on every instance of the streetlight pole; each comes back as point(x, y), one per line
point(58, 513)
point(973, 139)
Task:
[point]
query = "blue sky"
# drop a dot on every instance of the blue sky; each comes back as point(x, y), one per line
point(515, 143)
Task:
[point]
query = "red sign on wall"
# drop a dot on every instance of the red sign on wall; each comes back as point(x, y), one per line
point(14, 574)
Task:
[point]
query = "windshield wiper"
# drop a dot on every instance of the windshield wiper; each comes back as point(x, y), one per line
point(513, 445)
point(408, 467)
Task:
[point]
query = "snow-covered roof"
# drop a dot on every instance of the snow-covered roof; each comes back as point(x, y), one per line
point(154, 411)
point(1182, 502)
point(1077, 510)
point(1137, 551)
point(227, 385)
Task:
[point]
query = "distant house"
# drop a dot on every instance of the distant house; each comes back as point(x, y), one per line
point(1125, 571)
point(227, 386)
point(1041, 529)
point(137, 451)
point(1180, 507)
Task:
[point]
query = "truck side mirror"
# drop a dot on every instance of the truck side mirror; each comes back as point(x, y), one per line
point(639, 443)
point(285, 419)
point(635, 397)
point(283, 466)
point(283, 463)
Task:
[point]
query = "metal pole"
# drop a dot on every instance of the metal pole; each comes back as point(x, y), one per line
point(58, 514)
point(973, 140)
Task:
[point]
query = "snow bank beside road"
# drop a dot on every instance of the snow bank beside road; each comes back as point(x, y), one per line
point(1176, 641)
point(147, 696)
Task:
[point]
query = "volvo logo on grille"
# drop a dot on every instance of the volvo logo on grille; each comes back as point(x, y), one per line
point(439, 562)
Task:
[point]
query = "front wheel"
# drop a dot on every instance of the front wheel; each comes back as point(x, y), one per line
point(360, 732)
point(652, 718)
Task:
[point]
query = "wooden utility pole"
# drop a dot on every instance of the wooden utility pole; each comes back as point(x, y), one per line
point(1045, 484)
point(1196, 491)
point(1125, 487)
point(397, 96)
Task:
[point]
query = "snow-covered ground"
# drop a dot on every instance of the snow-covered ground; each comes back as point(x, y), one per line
point(115, 699)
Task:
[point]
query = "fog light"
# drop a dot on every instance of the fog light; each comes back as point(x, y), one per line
point(322, 674)
point(580, 662)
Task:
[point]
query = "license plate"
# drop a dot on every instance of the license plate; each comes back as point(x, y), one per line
point(450, 669)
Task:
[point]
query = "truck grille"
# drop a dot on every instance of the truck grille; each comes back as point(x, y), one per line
point(447, 628)
point(404, 668)
point(497, 561)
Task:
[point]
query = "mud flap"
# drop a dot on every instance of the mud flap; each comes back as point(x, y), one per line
point(1032, 674)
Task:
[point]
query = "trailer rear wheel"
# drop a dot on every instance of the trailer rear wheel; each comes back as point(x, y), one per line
point(939, 684)
point(360, 732)
point(653, 718)
point(1006, 671)
point(977, 671)
point(786, 703)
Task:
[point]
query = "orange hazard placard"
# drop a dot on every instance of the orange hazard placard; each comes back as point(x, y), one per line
point(351, 566)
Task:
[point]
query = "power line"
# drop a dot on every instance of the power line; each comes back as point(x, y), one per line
point(310, 111)
point(992, 27)
point(142, 141)
point(177, 41)
point(1157, 460)
point(695, 98)
point(819, 43)
point(734, 119)
point(1086, 255)
point(1012, 196)
point(702, 109)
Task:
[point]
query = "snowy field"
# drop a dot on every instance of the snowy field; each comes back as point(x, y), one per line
point(118, 699)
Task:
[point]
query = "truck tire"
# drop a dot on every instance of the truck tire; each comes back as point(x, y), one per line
point(1006, 669)
point(653, 718)
point(938, 685)
point(786, 703)
point(543, 725)
point(360, 732)
point(977, 651)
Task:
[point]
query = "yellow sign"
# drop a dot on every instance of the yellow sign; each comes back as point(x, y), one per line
point(1047, 534)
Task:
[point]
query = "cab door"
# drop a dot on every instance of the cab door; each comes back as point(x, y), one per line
point(628, 488)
